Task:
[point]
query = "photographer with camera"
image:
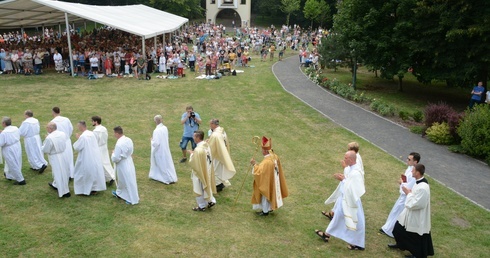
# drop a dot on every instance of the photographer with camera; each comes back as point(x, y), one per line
point(191, 121)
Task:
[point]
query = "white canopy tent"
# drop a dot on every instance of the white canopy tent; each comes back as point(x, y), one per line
point(139, 20)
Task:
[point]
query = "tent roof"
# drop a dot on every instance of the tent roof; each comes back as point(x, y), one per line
point(140, 20)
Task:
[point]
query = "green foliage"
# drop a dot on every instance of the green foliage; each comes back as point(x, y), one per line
point(383, 108)
point(439, 133)
point(288, 7)
point(456, 149)
point(417, 129)
point(404, 115)
point(312, 10)
point(187, 8)
point(418, 116)
point(474, 131)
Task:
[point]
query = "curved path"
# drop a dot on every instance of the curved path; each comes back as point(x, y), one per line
point(464, 175)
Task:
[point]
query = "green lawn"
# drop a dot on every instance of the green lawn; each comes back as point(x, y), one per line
point(415, 96)
point(35, 223)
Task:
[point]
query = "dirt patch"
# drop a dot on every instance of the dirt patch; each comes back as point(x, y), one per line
point(460, 222)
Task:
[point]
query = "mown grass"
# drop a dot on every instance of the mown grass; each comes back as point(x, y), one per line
point(415, 96)
point(35, 223)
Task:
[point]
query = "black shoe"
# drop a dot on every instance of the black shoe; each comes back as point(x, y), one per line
point(183, 160)
point(382, 231)
point(41, 170)
point(66, 195)
point(410, 256)
point(211, 204)
point(393, 246)
point(23, 182)
point(111, 182)
point(261, 213)
point(33, 169)
point(220, 187)
point(52, 186)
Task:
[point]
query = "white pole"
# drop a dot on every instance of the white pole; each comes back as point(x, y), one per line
point(143, 48)
point(69, 44)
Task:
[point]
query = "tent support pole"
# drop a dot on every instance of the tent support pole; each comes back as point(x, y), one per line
point(143, 48)
point(68, 37)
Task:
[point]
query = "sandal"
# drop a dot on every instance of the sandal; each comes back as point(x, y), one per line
point(329, 215)
point(211, 204)
point(198, 209)
point(322, 235)
point(355, 247)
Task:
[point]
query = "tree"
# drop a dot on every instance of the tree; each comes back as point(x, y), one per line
point(312, 10)
point(331, 50)
point(325, 13)
point(186, 8)
point(288, 7)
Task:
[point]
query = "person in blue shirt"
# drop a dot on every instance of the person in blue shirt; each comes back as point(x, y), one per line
point(191, 121)
point(476, 94)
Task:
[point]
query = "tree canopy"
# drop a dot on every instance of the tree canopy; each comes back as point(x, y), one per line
point(445, 40)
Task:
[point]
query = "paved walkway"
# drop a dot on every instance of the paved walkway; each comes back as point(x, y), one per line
point(464, 175)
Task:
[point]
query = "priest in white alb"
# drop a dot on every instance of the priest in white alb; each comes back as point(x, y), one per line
point(32, 142)
point(89, 173)
point(11, 151)
point(64, 124)
point(101, 133)
point(202, 176)
point(220, 151)
point(162, 167)
point(408, 181)
point(348, 223)
point(54, 145)
point(127, 188)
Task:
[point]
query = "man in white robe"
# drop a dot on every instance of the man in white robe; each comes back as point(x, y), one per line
point(407, 181)
point(202, 175)
point(64, 124)
point(11, 151)
point(220, 151)
point(162, 167)
point(101, 133)
point(89, 173)
point(127, 188)
point(54, 145)
point(32, 142)
point(348, 223)
point(412, 230)
point(352, 146)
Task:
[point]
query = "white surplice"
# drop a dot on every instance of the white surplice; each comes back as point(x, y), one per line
point(55, 145)
point(12, 153)
point(348, 222)
point(32, 142)
point(64, 124)
point(102, 135)
point(89, 173)
point(127, 188)
point(162, 166)
point(415, 216)
point(399, 204)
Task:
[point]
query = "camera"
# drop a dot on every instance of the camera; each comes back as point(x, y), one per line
point(193, 114)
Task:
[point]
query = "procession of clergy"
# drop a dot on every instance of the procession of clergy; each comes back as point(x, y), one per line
point(212, 168)
point(210, 161)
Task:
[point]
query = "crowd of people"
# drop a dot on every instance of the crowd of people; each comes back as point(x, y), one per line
point(203, 48)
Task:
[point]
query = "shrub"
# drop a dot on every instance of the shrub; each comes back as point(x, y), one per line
point(403, 115)
point(417, 129)
point(375, 104)
point(474, 131)
point(439, 133)
point(438, 113)
point(386, 110)
point(382, 108)
point(418, 116)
